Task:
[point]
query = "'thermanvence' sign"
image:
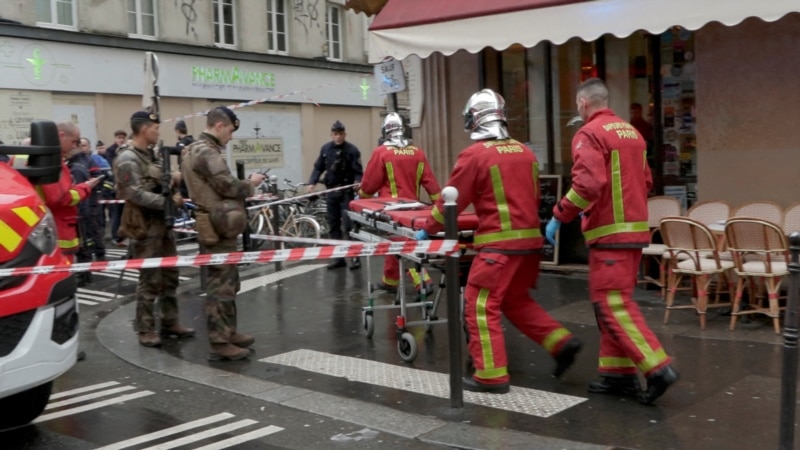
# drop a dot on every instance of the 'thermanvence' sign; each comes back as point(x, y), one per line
point(258, 153)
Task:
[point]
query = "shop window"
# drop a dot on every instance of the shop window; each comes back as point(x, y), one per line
point(515, 88)
point(225, 23)
point(142, 18)
point(333, 28)
point(276, 27)
point(56, 14)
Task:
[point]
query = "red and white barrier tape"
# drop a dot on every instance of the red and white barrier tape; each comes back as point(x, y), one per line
point(249, 199)
point(352, 250)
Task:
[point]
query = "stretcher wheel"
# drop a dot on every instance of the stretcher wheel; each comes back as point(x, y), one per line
point(407, 347)
point(369, 325)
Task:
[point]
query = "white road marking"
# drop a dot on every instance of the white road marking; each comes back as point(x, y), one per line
point(167, 432)
point(257, 282)
point(81, 390)
point(203, 435)
point(522, 400)
point(87, 302)
point(97, 296)
point(111, 274)
point(188, 247)
point(91, 396)
point(255, 434)
point(91, 406)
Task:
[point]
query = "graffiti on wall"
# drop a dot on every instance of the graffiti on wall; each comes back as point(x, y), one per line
point(189, 15)
point(306, 13)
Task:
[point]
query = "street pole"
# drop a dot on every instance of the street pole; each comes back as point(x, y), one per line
point(453, 288)
point(273, 189)
point(789, 375)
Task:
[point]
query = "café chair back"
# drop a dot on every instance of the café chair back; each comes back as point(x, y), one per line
point(657, 208)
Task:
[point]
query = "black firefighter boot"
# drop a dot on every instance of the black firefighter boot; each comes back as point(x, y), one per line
point(624, 385)
point(657, 384)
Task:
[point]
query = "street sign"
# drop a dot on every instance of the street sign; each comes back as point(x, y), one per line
point(390, 77)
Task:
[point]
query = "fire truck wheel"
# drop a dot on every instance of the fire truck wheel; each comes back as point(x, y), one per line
point(23, 407)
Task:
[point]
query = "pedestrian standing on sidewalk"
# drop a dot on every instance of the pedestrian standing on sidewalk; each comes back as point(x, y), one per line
point(398, 169)
point(221, 217)
point(610, 183)
point(138, 180)
point(338, 164)
point(499, 176)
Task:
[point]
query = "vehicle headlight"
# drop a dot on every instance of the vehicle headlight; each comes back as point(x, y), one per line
point(44, 236)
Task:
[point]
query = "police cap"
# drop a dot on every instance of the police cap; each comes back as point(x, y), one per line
point(337, 126)
point(234, 120)
point(144, 116)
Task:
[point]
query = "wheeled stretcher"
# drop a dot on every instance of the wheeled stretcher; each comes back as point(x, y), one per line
point(384, 219)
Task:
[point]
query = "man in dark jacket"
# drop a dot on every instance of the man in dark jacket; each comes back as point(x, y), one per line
point(184, 140)
point(115, 212)
point(340, 162)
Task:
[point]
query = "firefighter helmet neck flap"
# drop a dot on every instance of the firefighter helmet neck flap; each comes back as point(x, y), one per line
point(393, 130)
point(485, 116)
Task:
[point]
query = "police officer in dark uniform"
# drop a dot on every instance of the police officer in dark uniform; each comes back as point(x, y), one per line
point(184, 140)
point(340, 162)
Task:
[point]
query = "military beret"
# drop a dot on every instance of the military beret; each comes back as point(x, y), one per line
point(144, 116)
point(234, 120)
point(337, 126)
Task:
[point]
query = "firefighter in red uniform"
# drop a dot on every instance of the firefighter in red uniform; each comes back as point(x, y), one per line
point(500, 178)
point(610, 182)
point(398, 169)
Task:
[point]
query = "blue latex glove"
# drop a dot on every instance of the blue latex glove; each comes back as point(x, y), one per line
point(552, 229)
point(421, 235)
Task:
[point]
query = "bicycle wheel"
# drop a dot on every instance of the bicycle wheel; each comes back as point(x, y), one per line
point(302, 227)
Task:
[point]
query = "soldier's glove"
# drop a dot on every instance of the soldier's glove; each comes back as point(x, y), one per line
point(551, 230)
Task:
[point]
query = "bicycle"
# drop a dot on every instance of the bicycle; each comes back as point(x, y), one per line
point(293, 221)
point(315, 207)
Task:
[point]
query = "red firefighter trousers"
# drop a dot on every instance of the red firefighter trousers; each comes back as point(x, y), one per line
point(626, 342)
point(499, 283)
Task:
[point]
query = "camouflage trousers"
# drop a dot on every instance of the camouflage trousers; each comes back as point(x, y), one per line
point(220, 304)
point(158, 283)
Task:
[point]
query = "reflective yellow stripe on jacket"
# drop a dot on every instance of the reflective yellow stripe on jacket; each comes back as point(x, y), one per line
point(392, 181)
point(506, 232)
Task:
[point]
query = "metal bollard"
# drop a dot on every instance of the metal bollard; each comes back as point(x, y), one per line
point(789, 375)
point(453, 288)
point(247, 243)
point(273, 189)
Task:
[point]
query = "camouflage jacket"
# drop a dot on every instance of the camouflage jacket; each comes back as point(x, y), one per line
point(208, 177)
point(138, 180)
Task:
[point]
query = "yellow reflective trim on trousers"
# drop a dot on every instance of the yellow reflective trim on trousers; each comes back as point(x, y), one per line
point(434, 197)
point(9, 239)
point(629, 227)
point(484, 337)
point(392, 181)
point(437, 215)
point(652, 358)
point(390, 281)
point(500, 198)
point(554, 338)
point(576, 199)
point(27, 215)
point(420, 170)
point(415, 278)
point(76, 197)
point(616, 187)
point(492, 373)
point(507, 235)
point(68, 244)
point(614, 362)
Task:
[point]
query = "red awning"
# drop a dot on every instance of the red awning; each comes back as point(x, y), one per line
point(421, 27)
point(404, 13)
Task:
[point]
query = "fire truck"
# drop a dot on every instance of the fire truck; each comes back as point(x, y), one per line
point(39, 312)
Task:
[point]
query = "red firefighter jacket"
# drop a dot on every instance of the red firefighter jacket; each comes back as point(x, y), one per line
point(500, 178)
point(62, 197)
point(610, 182)
point(398, 172)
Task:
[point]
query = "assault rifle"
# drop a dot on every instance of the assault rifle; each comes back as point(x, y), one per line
point(150, 101)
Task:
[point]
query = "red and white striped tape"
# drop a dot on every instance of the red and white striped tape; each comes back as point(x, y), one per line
point(351, 250)
point(254, 198)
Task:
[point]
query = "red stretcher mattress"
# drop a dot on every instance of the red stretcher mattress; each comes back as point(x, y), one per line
point(411, 218)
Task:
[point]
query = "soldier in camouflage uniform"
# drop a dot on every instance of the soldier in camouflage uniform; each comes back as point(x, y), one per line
point(138, 182)
point(221, 217)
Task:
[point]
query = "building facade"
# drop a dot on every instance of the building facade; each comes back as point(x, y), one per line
point(304, 64)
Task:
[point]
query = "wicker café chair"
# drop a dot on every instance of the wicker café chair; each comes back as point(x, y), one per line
point(760, 253)
point(709, 213)
point(791, 219)
point(693, 253)
point(657, 208)
point(764, 210)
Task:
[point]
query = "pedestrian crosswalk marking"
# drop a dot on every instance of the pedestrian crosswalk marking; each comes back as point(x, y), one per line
point(91, 406)
point(167, 432)
point(255, 434)
point(94, 296)
point(86, 397)
point(86, 302)
point(187, 247)
point(521, 400)
point(115, 274)
point(81, 390)
point(203, 435)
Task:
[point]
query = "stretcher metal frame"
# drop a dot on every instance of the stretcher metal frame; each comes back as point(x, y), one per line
point(377, 226)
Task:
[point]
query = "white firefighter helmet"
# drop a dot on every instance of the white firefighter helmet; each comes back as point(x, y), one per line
point(393, 130)
point(485, 116)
